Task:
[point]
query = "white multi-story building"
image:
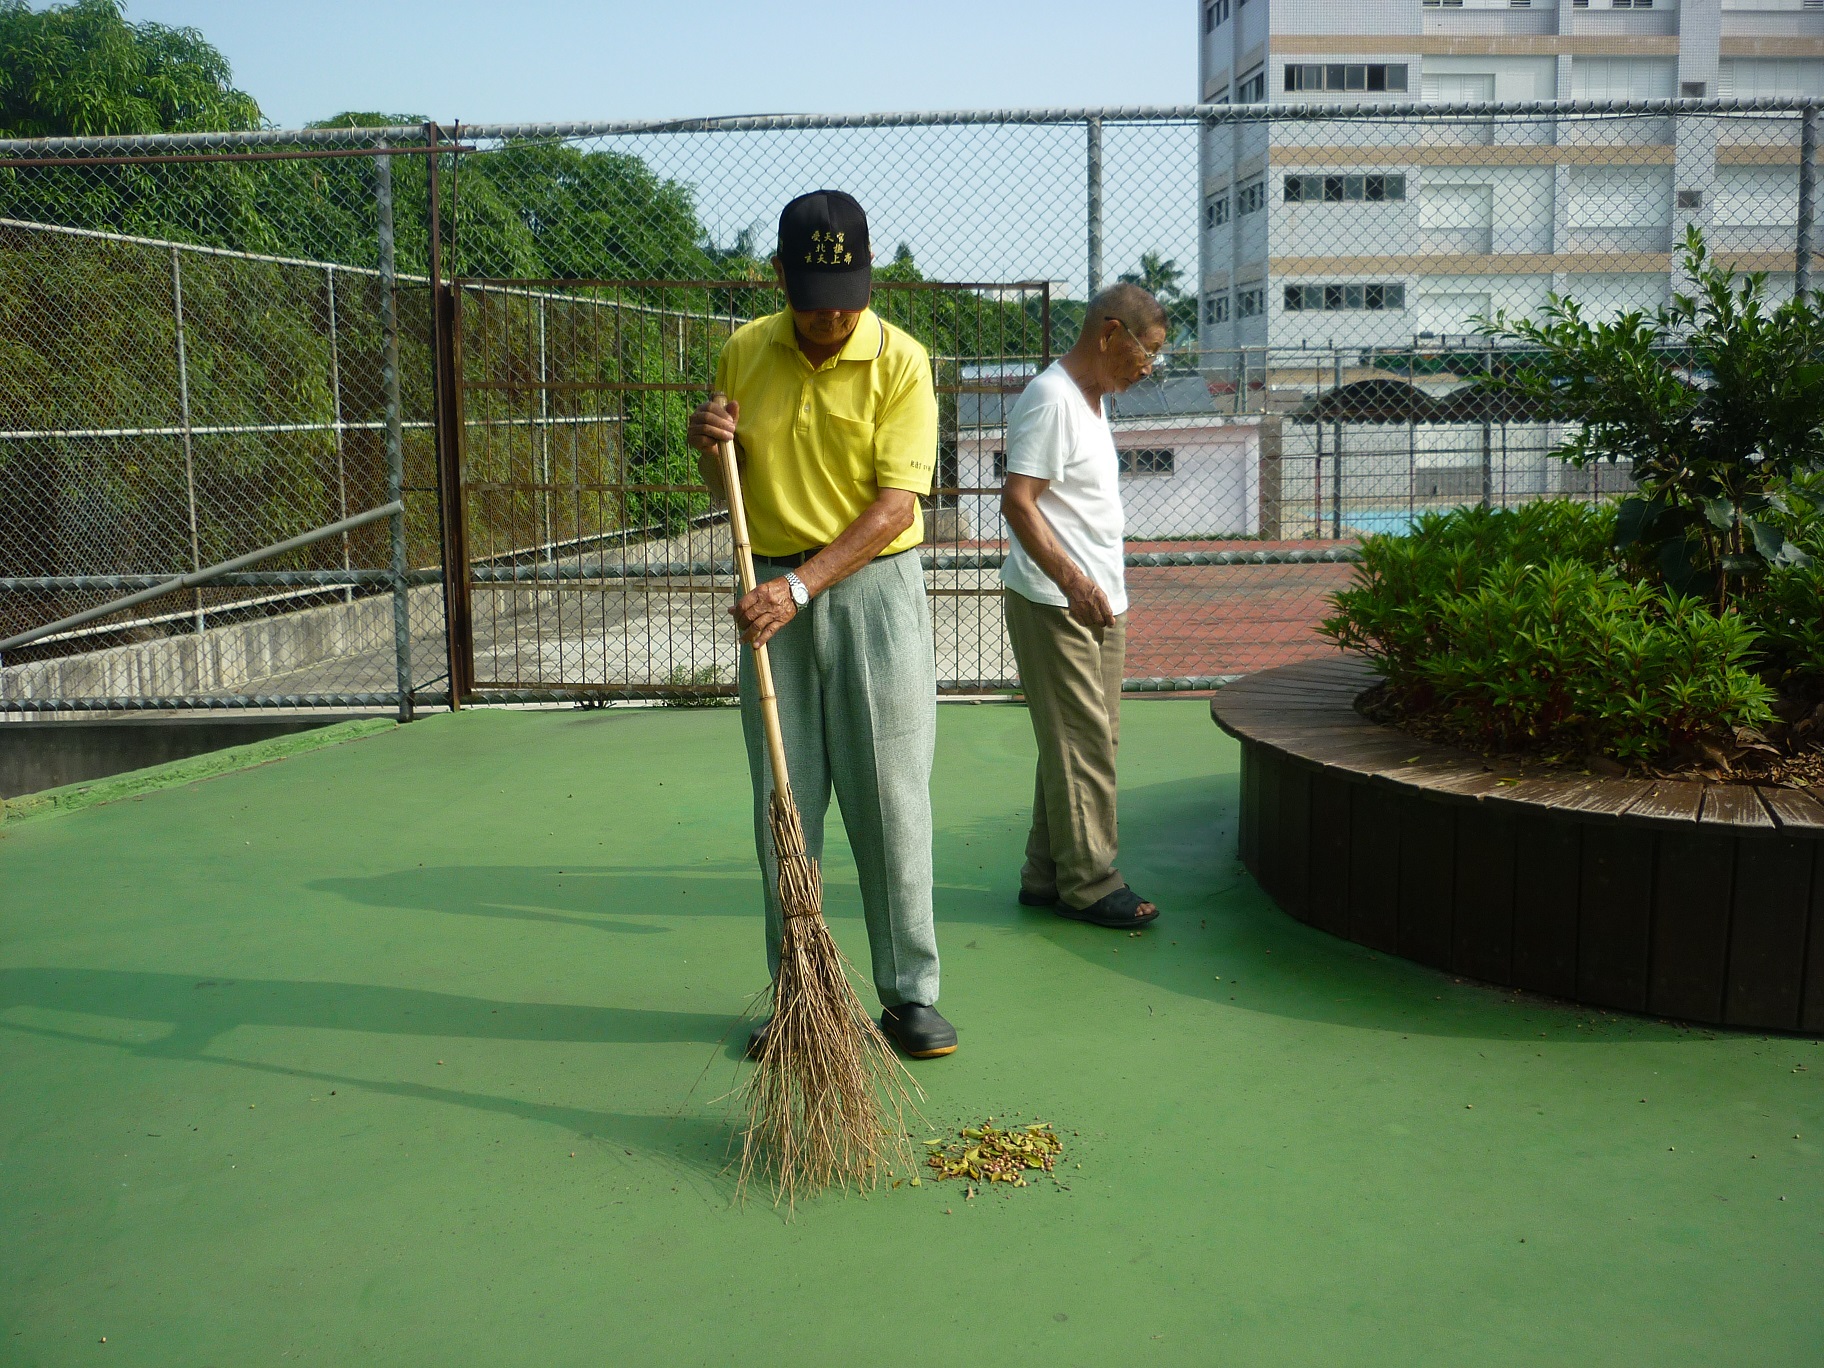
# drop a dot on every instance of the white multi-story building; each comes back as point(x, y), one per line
point(1364, 234)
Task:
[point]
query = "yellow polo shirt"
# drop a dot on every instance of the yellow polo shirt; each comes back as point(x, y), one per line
point(819, 444)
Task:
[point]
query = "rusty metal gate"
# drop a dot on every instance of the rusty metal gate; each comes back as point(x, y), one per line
point(597, 567)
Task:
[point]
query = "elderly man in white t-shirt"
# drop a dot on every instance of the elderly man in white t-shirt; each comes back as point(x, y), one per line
point(1066, 602)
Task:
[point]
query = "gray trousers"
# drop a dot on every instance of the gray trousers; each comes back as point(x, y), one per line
point(857, 685)
point(1071, 676)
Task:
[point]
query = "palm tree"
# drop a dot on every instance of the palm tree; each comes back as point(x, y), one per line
point(1157, 276)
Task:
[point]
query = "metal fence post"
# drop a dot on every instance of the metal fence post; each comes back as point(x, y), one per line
point(446, 343)
point(1336, 473)
point(544, 434)
point(1095, 204)
point(395, 437)
point(1317, 473)
point(1808, 178)
point(1488, 443)
point(183, 406)
point(335, 395)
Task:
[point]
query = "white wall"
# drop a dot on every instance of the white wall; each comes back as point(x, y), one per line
point(1213, 491)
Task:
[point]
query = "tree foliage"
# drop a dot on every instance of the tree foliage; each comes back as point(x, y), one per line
point(1715, 400)
point(82, 70)
point(1162, 278)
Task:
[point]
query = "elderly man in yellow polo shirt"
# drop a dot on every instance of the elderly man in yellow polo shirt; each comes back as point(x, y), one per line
point(834, 419)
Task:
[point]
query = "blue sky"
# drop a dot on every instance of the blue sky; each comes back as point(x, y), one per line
point(546, 59)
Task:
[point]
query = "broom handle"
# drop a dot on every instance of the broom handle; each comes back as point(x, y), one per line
point(763, 667)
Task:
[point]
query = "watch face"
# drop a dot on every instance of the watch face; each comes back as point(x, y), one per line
point(800, 595)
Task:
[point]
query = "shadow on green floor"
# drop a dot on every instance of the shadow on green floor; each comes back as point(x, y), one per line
point(199, 1010)
point(1178, 847)
point(599, 897)
point(699, 1143)
point(1220, 940)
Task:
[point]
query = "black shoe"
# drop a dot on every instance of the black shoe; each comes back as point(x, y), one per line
point(1030, 899)
point(1120, 909)
point(756, 1043)
point(919, 1031)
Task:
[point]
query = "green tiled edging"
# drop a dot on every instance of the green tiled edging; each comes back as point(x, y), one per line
point(1699, 902)
point(178, 772)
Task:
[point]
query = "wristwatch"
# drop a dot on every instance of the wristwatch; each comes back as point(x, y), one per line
point(800, 595)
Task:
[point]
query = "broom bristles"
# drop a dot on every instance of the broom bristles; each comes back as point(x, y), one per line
point(828, 1101)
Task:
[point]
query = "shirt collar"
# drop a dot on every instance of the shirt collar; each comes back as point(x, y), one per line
point(866, 343)
point(868, 340)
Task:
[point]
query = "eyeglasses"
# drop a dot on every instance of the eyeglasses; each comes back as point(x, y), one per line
point(1152, 354)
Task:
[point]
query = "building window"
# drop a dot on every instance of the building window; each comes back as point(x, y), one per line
point(1145, 461)
point(1251, 197)
point(1214, 15)
point(1520, 4)
point(1250, 303)
point(1631, 4)
point(1690, 199)
point(1694, 90)
point(1580, 4)
point(1340, 298)
point(1346, 76)
point(1252, 88)
point(1000, 465)
point(1216, 210)
point(1443, 4)
point(1216, 308)
point(1344, 189)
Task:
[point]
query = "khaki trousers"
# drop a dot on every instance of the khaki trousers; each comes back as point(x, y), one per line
point(1071, 676)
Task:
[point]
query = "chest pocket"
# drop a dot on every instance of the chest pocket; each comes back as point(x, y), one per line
point(854, 439)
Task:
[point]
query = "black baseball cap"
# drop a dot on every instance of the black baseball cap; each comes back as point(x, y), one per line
point(823, 251)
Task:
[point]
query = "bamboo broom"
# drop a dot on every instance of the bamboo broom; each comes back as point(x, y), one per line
point(827, 1102)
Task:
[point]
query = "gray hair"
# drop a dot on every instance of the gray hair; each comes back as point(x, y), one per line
point(1132, 305)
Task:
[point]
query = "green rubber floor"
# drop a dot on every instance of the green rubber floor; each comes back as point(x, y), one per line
point(409, 1050)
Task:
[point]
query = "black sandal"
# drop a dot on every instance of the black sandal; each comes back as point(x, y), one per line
point(1029, 899)
point(1120, 909)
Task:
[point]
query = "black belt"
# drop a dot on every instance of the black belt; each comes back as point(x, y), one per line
point(798, 558)
point(791, 562)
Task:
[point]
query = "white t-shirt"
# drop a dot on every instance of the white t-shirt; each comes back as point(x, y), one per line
point(1053, 434)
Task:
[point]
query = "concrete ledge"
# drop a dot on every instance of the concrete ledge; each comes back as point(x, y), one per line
point(70, 797)
point(35, 756)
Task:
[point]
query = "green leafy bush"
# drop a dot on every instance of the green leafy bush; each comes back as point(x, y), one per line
point(1393, 612)
point(1788, 613)
point(1515, 630)
point(1715, 400)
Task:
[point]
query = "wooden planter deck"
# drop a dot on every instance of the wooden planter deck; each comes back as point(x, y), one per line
point(1703, 902)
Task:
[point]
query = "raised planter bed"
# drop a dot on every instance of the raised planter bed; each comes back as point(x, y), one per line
point(1702, 902)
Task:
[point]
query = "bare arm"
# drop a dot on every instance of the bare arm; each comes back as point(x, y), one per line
point(1020, 505)
point(712, 424)
point(760, 614)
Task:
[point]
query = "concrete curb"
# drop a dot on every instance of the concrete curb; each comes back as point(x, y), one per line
point(94, 792)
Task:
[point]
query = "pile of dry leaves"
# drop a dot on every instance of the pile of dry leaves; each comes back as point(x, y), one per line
point(989, 1153)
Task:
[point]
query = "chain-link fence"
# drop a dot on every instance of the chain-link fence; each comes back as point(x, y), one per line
point(484, 341)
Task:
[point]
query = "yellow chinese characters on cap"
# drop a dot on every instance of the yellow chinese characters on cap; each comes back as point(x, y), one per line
point(827, 250)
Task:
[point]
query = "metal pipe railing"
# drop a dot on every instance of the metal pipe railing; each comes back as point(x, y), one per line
point(197, 578)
